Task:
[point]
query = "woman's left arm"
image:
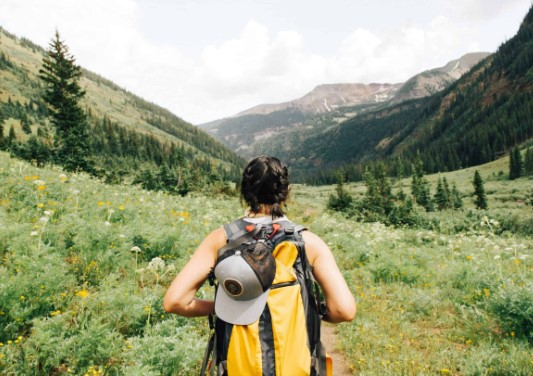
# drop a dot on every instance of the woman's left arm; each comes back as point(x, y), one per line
point(179, 297)
point(340, 303)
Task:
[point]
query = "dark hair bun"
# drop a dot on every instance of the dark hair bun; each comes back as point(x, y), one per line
point(265, 181)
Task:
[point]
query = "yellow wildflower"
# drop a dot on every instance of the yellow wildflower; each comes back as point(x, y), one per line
point(40, 205)
point(100, 203)
point(469, 258)
point(83, 293)
point(41, 187)
point(121, 207)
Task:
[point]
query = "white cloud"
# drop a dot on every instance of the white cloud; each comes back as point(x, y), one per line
point(253, 67)
point(396, 55)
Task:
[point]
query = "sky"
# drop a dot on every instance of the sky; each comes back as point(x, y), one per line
point(209, 59)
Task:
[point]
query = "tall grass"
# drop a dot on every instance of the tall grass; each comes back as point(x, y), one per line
point(84, 266)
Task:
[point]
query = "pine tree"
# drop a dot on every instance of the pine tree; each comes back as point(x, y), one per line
point(25, 123)
point(2, 137)
point(62, 94)
point(516, 164)
point(441, 198)
point(343, 200)
point(447, 192)
point(479, 192)
point(457, 201)
point(11, 137)
point(420, 187)
point(378, 197)
point(528, 163)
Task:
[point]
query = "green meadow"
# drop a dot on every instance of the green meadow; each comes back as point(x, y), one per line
point(84, 266)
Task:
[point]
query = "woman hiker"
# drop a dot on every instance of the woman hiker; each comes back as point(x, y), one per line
point(268, 315)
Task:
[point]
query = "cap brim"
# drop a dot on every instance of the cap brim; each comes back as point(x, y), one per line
point(237, 312)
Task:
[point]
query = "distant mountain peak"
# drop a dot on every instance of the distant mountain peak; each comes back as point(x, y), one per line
point(325, 98)
point(328, 97)
point(325, 107)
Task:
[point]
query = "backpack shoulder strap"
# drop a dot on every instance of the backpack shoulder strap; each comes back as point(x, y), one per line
point(235, 229)
point(239, 232)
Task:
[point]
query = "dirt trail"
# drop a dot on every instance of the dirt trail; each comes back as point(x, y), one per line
point(329, 338)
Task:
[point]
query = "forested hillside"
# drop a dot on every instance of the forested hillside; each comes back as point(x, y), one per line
point(130, 138)
point(478, 118)
point(265, 129)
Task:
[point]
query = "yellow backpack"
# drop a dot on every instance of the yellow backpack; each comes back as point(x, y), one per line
point(285, 340)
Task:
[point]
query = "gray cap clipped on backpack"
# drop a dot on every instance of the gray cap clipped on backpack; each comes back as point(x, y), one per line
point(244, 280)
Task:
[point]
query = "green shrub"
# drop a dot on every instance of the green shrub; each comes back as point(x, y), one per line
point(512, 307)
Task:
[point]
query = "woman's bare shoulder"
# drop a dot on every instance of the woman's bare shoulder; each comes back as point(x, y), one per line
point(314, 246)
point(216, 238)
point(312, 239)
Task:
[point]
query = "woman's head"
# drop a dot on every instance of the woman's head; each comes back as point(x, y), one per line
point(265, 185)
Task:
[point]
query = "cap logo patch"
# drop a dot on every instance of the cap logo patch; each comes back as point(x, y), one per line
point(233, 287)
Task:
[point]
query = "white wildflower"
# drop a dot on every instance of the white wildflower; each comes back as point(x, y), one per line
point(135, 249)
point(48, 213)
point(156, 264)
point(497, 257)
point(39, 183)
point(34, 233)
point(43, 220)
point(107, 223)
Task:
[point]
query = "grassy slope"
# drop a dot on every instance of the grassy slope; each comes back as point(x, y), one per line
point(103, 97)
point(73, 295)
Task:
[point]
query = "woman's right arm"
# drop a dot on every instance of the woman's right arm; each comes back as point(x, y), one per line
point(340, 303)
point(179, 297)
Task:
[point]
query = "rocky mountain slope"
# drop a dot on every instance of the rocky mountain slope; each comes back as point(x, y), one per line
point(326, 106)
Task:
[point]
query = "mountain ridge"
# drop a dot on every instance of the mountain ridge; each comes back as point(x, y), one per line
point(325, 107)
point(339, 93)
point(476, 119)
